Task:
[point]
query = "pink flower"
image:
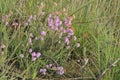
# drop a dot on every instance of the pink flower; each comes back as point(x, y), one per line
point(50, 21)
point(30, 50)
point(70, 32)
point(49, 66)
point(61, 29)
point(43, 33)
point(64, 31)
point(33, 54)
point(67, 22)
point(60, 70)
point(38, 54)
point(57, 21)
point(43, 71)
point(67, 40)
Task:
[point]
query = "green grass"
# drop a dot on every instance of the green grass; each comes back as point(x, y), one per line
point(98, 19)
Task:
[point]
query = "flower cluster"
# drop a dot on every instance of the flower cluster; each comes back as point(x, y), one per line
point(63, 27)
point(43, 34)
point(54, 23)
point(43, 71)
point(49, 65)
point(59, 70)
point(34, 55)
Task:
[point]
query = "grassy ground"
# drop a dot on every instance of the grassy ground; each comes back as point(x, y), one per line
point(96, 26)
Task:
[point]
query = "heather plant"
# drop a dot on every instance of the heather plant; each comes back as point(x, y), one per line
point(59, 39)
point(43, 47)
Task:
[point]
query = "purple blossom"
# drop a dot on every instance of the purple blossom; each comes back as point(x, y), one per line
point(54, 23)
point(60, 70)
point(60, 23)
point(70, 32)
point(34, 54)
point(57, 21)
point(50, 21)
point(61, 29)
point(38, 54)
point(49, 66)
point(30, 50)
point(43, 33)
point(67, 22)
point(52, 27)
point(64, 31)
point(67, 40)
point(43, 71)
